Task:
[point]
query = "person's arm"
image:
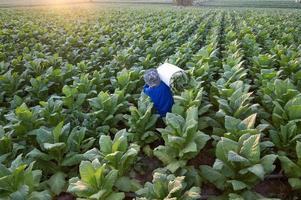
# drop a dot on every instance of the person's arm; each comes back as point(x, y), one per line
point(145, 89)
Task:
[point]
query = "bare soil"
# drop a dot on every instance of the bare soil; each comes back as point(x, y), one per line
point(148, 165)
point(205, 157)
point(274, 189)
point(209, 189)
point(64, 196)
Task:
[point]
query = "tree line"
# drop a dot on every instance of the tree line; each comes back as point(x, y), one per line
point(183, 2)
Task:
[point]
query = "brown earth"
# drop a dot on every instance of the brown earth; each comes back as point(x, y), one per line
point(274, 188)
point(205, 157)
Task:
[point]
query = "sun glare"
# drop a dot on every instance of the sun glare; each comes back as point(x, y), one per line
point(61, 1)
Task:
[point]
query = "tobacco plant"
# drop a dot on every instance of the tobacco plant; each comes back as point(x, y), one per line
point(182, 139)
point(96, 181)
point(21, 181)
point(168, 186)
point(238, 165)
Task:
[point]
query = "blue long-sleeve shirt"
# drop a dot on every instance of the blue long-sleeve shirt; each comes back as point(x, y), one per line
point(161, 96)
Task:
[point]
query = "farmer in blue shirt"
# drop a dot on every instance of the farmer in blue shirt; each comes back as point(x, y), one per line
point(158, 91)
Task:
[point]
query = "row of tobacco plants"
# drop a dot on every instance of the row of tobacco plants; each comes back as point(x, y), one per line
point(73, 116)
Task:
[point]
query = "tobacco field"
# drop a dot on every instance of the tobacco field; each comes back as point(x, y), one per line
point(73, 117)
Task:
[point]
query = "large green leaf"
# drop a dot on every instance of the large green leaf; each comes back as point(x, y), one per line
point(57, 182)
point(110, 179)
point(21, 194)
point(295, 183)
point(120, 144)
point(99, 195)
point(250, 121)
point(289, 167)
point(57, 131)
point(251, 149)
point(80, 188)
point(231, 123)
point(298, 150)
point(116, 196)
point(23, 112)
point(189, 148)
point(73, 159)
point(45, 195)
point(87, 171)
point(37, 154)
point(126, 184)
point(258, 170)
point(92, 154)
point(238, 185)
point(213, 176)
point(175, 165)
point(294, 112)
point(175, 121)
point(43, 136)
point(165, 154)
point(234, 157)
point(267, 162)
point(105, 144)
point(76, 138)
point(224, 146)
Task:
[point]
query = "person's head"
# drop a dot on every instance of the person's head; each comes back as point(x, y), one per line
point(152, 78)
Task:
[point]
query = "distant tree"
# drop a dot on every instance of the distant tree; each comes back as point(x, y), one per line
point(183, 2)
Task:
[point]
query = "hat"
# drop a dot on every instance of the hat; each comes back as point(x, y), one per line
point(152, 78)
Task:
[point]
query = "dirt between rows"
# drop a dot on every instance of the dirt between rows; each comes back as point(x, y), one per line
point(273, 186)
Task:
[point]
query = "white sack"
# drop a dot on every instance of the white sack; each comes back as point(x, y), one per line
point(166, 71)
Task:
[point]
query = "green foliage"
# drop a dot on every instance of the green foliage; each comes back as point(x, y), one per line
point(285, 139)
point(188, 98)
point(116, 153)
point(73, 98)
point(21, 181)
point(179, 81)
point(182, 138)
point(168, 186)
point(107, 109)
point(126, 80)
point(205, 60)
point(236, 127)
point(23, 120)
point(239, 165)
point(96, 182)
point(10, 84)
point(235, 101)
point(52, 111)
point(9, 149)
point(69, 77)
point(60, 148)
point(290, 111)
point(142, 121)
point(292, 168)
point(280, 91)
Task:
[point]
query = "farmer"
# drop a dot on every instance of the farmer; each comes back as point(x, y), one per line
point(158, 91)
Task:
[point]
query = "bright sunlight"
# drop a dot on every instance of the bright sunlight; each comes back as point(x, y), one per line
point(62, 1)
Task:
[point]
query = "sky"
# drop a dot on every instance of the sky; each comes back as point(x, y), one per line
point(37, 1)
point(60, 1)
